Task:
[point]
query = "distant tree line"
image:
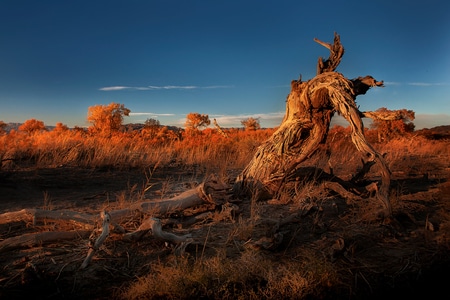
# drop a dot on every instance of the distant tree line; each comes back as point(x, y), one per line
point(107, 119)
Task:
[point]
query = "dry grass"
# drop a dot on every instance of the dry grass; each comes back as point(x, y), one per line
point(252, 275)
point(221, 265)
point(129, 150)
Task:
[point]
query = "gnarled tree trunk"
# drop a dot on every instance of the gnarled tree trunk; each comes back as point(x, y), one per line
point(309, 109)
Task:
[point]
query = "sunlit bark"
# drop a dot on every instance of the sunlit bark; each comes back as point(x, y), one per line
point(309, 108)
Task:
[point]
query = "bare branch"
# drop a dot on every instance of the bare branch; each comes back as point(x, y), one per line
point(154, 224)
point(105, 232)
point(389, 115)
point(336, 53)
point(362, 84)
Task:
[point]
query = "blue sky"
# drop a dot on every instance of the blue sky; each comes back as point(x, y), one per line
point(230, 59)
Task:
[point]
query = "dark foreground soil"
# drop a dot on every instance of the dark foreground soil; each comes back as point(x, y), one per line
point(406, 255)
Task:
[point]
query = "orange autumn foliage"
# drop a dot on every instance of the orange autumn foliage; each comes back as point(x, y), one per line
point(32, 126)
point(106, 119)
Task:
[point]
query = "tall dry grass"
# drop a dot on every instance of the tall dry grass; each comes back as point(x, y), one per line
point(207, 151)
point(208, 147)
point(129, 150)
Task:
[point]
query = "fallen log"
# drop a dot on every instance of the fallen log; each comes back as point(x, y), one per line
point(200, 195)
point(35, 214)
point(40, 238)
point(189, 198)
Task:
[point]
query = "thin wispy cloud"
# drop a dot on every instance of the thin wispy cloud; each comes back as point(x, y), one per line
point(265, 119)
point(426, 84)
point(150, 114)
point(171, 87)
point(217, 87)
point(392, 83)
point(114, 88)
point(416, 83)
point(141, 117)
point(164, 87)
point(235, 120)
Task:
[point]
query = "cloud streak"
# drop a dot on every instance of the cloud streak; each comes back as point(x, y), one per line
point(164, 87)
point(266, 119)
point(416, 83)
point(150, 114)
point(113, 88)
point(426, 84)
point(391, 83)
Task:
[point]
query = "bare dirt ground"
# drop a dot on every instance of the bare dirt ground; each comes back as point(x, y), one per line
point(407, 255)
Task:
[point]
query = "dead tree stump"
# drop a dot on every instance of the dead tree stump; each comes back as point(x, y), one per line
point(310, 106)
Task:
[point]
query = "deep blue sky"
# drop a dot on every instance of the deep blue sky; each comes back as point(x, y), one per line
point(230, 59)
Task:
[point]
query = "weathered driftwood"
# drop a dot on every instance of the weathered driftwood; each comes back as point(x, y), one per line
point(40, 238)
point(189, 198)
point(309, 108)
point(200, 195)
point(34, 215)
point(154, 225)
point(106, 218)
point(193, 197)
